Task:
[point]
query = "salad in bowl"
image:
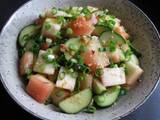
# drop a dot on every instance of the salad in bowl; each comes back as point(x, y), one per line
point(78, 59)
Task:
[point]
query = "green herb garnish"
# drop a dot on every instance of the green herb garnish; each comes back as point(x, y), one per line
point(54, 10)
point(123, 92)
point(113, 65)
point(112, 46)
point(61, 75)
point(111, 24)
point(47, 25)
point(69, 31)
point(99, 72)
point(90, 109)
point(61, 19)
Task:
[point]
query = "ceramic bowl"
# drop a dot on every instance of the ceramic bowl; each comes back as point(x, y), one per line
point(142, 30)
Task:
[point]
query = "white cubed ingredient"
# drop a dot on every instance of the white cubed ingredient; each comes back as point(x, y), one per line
point(67, 82)
point(113, 76)
point(41, 66)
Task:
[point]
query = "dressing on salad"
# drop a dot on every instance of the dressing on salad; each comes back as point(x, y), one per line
point(78, 59)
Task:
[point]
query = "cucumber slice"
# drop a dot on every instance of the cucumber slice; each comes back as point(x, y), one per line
point(106, 37)
point(98, 30)
point(26, 33)
point(133, 72)
point(98, 88)
point(73, 44)
point(134, 59)
point(77, 102)
point(108, 98)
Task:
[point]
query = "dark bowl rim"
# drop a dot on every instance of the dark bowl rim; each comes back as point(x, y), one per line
point(119, 117)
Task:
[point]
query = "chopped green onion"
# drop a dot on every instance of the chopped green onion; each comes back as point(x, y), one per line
point(71, 70)
point(86, 11)
point(83, 48)
point(61, 75)
point(80, 59)
point(81, 77)
point(69, 31)
point(113, 65)
point(128, 54)
point(90, 109)
point(73, 60)
point(112, 46)
point(29, 72)
point(123, 92)
point(61, 19)
point(54, 10)
point(111, 24)
point(49, 51)
point(35, 48)
point(55, 64)
point(47, 25)
point(99, 72)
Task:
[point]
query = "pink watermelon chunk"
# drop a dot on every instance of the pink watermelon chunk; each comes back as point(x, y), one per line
point(39, 88)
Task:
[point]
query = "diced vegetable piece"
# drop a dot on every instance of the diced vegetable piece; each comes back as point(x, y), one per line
point(108, 98)
point(72, 46)
point(116, 56)
point(59, 94)
point(95, 59)
point(120, 30)
point(26, 62)
point(51, 28)
point(134, 59)
point(106, 37)
point(39, 88)
point(115, 20)
point(66, 79)
point(98, 87)
point(81, 27)
point(133, 73)
point(87, 82)
point(75, 11)
point(98, 30)
point(113, 76)
point(76, 102)
point(26, 34)
point(41, 66)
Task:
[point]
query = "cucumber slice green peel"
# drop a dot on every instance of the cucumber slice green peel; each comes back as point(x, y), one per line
point(77, 102)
